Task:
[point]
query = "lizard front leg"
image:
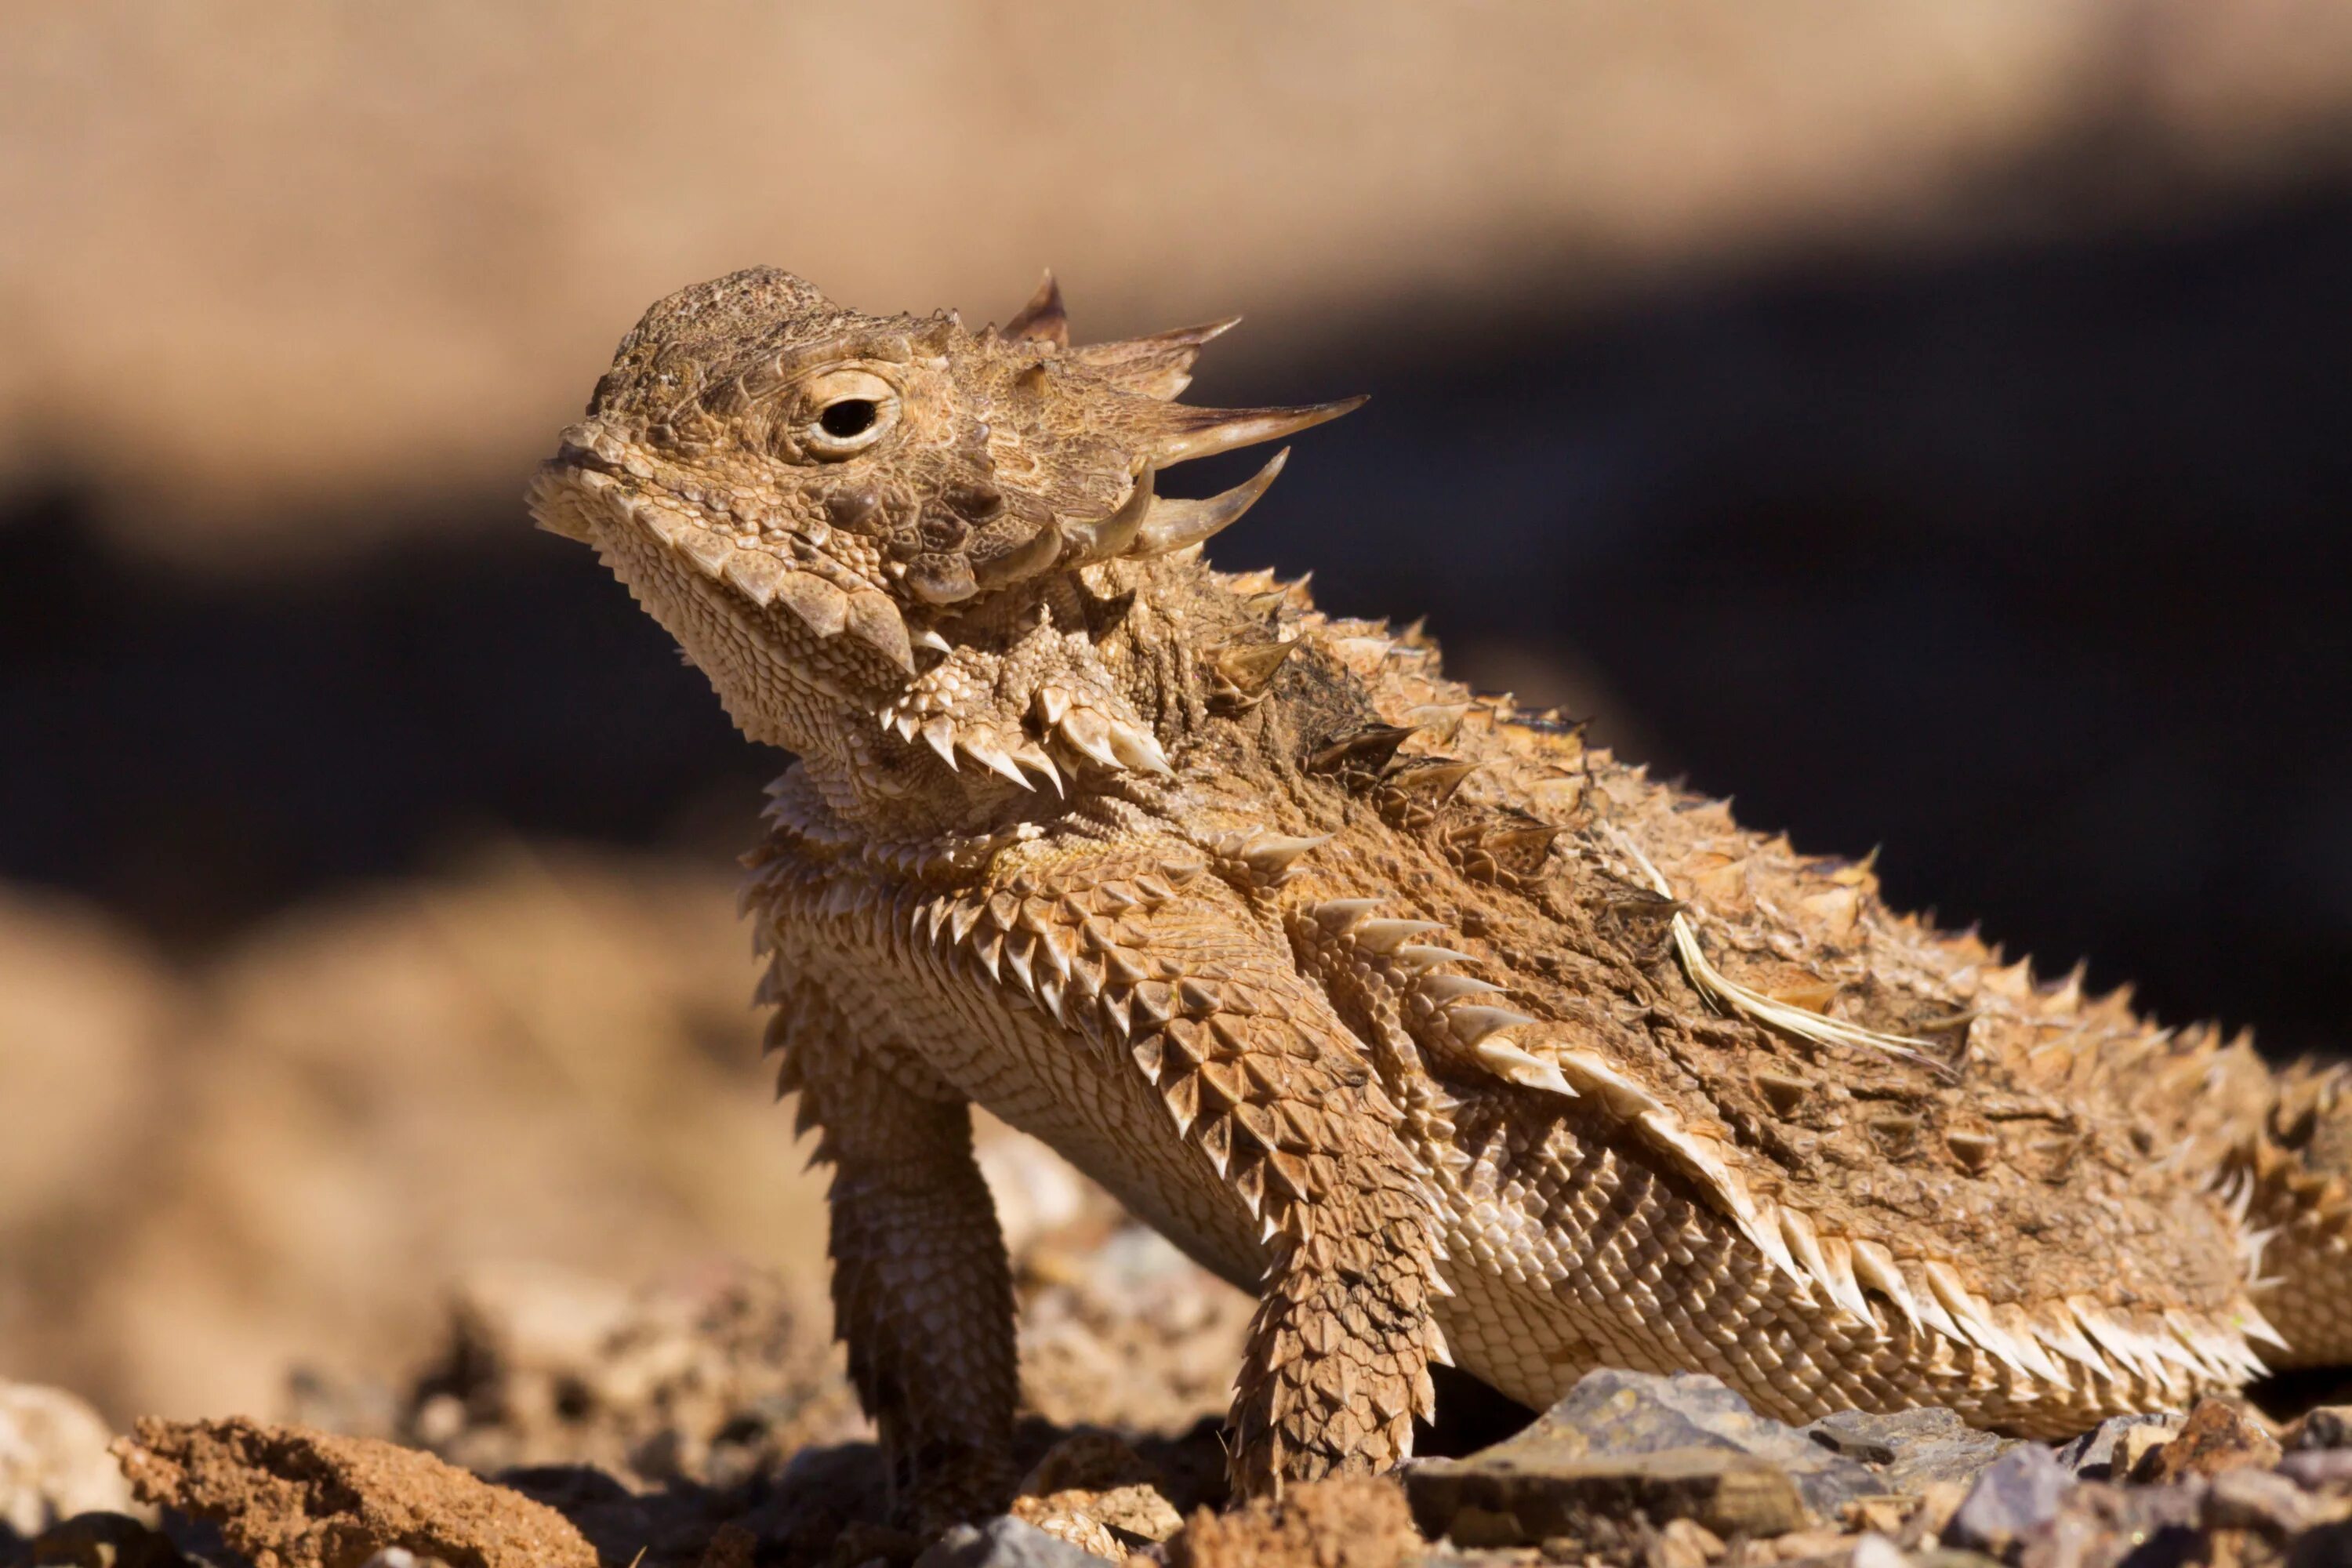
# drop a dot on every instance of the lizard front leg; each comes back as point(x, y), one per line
point(1193, 984)
point(922, 1294)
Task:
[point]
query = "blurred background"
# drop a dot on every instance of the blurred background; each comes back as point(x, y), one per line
point(1929, 424)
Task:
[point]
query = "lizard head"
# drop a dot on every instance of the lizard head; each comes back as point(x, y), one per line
point(823, 506)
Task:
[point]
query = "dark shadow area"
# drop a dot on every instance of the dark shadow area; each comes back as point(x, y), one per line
point(2024, 564)
point(198, 754)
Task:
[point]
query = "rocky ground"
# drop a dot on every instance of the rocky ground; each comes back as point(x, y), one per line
point(705, 1423)
point(533, 1075)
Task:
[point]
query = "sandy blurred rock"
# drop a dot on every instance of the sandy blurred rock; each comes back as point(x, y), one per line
point(82, 1006)
point(2217, 1437)
point(54, 1460)
point(1129, 1333)
point(710, 1380)
point(1003, 1543)
point(1908, 1449)
point(85, 1014)
point(2328, 1426)
point(2016, 1495)
point(2096, 1454)
point(1610, 1413)
point(549, 1058)
point(1508, 1496)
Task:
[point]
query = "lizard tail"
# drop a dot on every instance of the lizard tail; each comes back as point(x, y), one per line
point(2291, 1178)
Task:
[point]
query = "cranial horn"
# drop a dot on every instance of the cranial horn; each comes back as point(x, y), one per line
point(1157, 366)
point(1174, 524)
point(1187, 433)
point(1043, 318)
point(1105, 537)
point(1033, 554)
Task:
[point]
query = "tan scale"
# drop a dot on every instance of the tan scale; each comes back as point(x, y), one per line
point(1441, 1031)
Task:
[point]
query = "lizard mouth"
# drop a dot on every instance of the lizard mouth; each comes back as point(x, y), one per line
point(580, 488)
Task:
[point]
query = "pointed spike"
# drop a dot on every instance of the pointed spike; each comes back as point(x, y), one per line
point(1017, 950)
point(1271, 855)
point(995, 762)
point(1437, 779)
point(1085, 730)
point(1509, 1061)
point(1189, 433)
point(931, 640)
point(1139, 749)
point(875, 621)
point(1471, 1024)
point(939, 735)
point(1158, 366)
point(1443, 988)
point(707, 549)
point(1250, 668)
point(1372, 748)
point(788, 1076)
point(1043, 318)
point(1033, 756)
point(754, 573)
point(1339, 916)
point(662, 523)
point(1175, 525)
point(1875, 1266)
point(1387, 936)
point(989, 948)
point(1417, 957)
point(823, 608)
point(1261, 605)
point(1115, 532)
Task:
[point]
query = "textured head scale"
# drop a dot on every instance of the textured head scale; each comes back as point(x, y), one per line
point(858, 485)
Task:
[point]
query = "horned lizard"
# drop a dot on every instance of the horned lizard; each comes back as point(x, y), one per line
point(1446, 1033)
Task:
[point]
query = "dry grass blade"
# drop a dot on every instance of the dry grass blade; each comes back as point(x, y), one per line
point(1728, 995)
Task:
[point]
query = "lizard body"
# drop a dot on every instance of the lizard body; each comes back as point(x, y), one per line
point(1442, 1032)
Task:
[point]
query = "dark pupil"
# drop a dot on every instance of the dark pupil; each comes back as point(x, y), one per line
point(850, 417)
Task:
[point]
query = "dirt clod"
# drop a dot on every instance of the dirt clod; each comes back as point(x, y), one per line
point(290, 1498)
point(1356, 1522)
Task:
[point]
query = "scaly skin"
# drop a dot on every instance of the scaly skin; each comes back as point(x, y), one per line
point(1397, 1005)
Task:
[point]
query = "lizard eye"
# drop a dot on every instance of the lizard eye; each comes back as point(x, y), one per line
point(848, 411)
